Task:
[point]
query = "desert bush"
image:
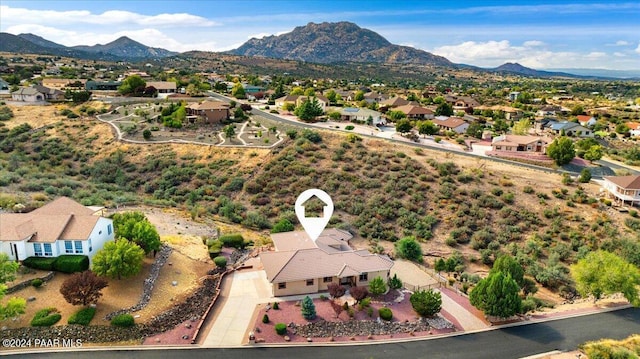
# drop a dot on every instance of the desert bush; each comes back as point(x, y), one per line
point(232, 240)
point(123, 320)
point(46, 317)
point(220, 261)
point(385, 313)
point(281, 328)
point(36, 283)
point(395, 282)
point(377, 286)
point(83, 316)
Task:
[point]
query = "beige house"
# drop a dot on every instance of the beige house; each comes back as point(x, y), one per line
point(209, 111)
point(518, 143)
point(165, 88)
point(416, 112)
point(301, 266)
point(623, 188)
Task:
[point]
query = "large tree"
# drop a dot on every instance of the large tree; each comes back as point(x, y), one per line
point(403, 126)
point(497, 295)
point(444, 109)
point(308, 109)
point(561, 150)
point(603, 272)
point(15, 305)
point(308, 308)
point(83, 288)
point(427, 128)
point(135, 226)
point(238, 91)
point(118, 259)
point(522, 127)
point(131, 85)
point(426, 303)
point(508, 265)
point(409, 248)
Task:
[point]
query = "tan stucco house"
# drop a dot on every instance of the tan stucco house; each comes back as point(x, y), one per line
point(623, 188)
point(298, 265)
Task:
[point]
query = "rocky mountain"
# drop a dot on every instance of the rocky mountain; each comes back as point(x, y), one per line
point(126, 48)
point(336, 42)
point(120, 49)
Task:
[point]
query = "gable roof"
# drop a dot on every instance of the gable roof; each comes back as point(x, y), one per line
point(27, 91)
point(414, 110)
point(626, 182)
point(209, 105)
point(394, 102)
point(451, 122)
point(162, 85)
point(329, 256)
point(518, 140)
point(62, 219)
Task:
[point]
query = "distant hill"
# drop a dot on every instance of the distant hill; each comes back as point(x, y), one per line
point(516, 68)
point(120, 49)
point(336, 42)
point(126, 48)
point(41, 41)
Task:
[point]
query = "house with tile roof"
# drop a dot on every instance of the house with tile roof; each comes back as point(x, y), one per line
point(298, 265)
point(570, 129)
point(455, 124)
point(623, 188)
point(586, 120)
point(416, 112)
point(62, 226)
point(209, 111)
point(28, 94)
point(164, 88)
point(634, 128)
point(361, 115)
point(518, 143)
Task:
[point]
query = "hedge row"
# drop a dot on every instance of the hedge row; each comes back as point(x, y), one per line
point(68, 263)
point(83, 316)
point(46, 317)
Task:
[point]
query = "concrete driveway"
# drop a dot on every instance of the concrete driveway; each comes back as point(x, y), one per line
point(248, 288)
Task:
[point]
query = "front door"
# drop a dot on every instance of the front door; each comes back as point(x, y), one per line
point(14, 250)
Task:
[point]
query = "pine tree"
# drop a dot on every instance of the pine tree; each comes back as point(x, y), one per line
point(308, 308)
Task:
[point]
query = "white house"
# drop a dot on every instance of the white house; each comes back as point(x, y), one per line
point(355, 114)
point(28, 94)
point(63, 226)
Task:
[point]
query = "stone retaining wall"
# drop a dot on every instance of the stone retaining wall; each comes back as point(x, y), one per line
point(26, 283)
point(366, 327)
point(161, 258)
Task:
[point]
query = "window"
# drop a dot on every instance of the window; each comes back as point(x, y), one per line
point(48, 252)
point(282, 285)
point(364, 277)
point(78, 245)
point(37, 249)
point(68, 247)
point(327, 279)
point(309, 282)
point(90, 245)
point(109, 229)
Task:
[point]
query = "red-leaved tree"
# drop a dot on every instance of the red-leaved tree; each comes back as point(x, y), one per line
point(359, 293)
point(336, 290)
point(83, 288)
point(337, 308)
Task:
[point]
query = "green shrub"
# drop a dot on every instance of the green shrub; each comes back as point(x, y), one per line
point(349, 127)
point(70, 263)
point(275, 306)
point(220, 261)
point(281, 328)
point(385, 313)
point(123, 320)
point(39, 263)
point(83, 316)
point(633, 213)
point(232, 240)
point(46, 317)
point(265, 319)
point(528, 189)
point(36, 283)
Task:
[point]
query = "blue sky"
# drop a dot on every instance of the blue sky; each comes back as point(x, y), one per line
point(538, 34)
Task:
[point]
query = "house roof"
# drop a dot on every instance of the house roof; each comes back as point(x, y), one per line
point(564, 125)
point(626, 182)
point(414, 110)
point(451, 122)
point(62, 219)
point(394, 102)
point(288, 98)
point(355, 111)
point(633, 125)
point(329, 256)
point(209, 105)
point(27, 91)
point(518, 140)
point(162, 85)
point(584, 118)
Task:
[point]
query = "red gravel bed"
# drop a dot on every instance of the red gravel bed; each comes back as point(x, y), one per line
point(174, 336)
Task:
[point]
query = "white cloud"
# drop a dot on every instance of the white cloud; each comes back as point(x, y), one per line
point(11, 15)
point(596, 55)
point(638, 49)
point(533, 43)
point(622, 43)
point(619, 54)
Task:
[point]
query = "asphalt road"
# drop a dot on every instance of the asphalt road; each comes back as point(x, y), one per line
point(513, 342)
point(616, 166)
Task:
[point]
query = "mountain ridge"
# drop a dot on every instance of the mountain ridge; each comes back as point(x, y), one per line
point(343, 41)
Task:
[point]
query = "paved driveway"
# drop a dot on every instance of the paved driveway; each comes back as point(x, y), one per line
point(248, 288)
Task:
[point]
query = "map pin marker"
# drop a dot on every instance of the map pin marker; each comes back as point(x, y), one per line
point(314, 225)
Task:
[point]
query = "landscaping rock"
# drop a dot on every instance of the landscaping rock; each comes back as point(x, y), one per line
point(31, 299)
point(174, 283)
point(309, 339)
point(287, 338)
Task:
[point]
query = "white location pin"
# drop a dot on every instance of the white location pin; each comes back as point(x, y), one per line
point(314, 225)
